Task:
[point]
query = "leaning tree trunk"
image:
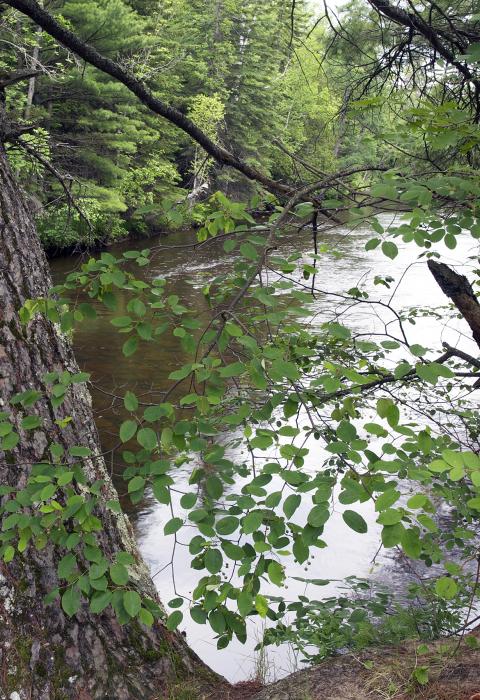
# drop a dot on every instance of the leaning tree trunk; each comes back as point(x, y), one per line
point(44, 654)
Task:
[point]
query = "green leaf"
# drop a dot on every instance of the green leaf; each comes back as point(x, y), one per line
point(175, 603)
point(417, 501)
point(453, 458)
point(10, 441)
point(282, 369)
point(346, 431)
point(276, 573)
point(181, 373)
point(318, 516)
point(71, 601)
point(8, 554)
point(145, 330)
point(233, 330)
point(130, 346)
point(79, 451)
point(64, 478)
point(421, 675)
point(174, 620)
point(432, 371)
point(390, 516)
point(372, 243)
point(188, 500)
point(119, 574)
point(227, 525)
point(392, 535)
point(154, 413)
point(233, 370)
point(248, 251)
point(411, 543)
point(389, 249)
point(97, 570)
point(135, 484)
point(252, 521)
point(438, 466)
point(387, 499)
point(214, 487)
point(66, 565)
point(450, 241)
point(132, 603)
point(474, 503)
point(127, 430)
point(147, 438)
point(261, 605)
point(245, 603)
point(198, 615)
point(446, 588)
point(121, 321)
point(213, 560)
point(114, 506)
point(125, 558)
point(300, 550)
point(31, 422)
point(387, 409)
point(172, 526)
point(291, 504)
point(145, 617)
point(338, 331)
point(100, 600)
point(355, 521)
point(217, 621)
point(418, 350)
point(130, 401)
point(5, 429)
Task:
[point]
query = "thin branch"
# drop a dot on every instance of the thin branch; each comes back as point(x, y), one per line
point(53, 171)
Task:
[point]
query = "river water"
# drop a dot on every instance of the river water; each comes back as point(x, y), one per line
point(98, 350)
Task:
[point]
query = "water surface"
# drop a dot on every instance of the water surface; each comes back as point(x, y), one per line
point(98, 350)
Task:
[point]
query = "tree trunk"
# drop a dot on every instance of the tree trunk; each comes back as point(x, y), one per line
point(44, 654)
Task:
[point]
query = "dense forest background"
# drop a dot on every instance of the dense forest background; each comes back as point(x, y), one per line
point(269, 86)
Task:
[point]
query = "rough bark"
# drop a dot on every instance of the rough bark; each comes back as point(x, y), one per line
point(459, 290)
point(43, 653)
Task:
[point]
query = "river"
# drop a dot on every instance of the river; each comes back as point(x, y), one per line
point(98, 350)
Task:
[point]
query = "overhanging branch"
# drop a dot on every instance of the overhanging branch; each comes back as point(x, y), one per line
point(457, 288)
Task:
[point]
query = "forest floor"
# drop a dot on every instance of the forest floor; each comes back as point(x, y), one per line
point(444, 672)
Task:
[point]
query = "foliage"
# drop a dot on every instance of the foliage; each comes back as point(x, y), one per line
point(367, 614)
point(239, 87)
point(257, 374)
point(385, 420)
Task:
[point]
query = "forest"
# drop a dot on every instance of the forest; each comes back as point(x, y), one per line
point(239, 350)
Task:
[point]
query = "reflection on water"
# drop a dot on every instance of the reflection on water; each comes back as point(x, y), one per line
point(98, 350)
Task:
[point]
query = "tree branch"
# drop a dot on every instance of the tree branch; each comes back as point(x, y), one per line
point(51, 169)
point(457, 288)
point(416, 23)
point(12, 78)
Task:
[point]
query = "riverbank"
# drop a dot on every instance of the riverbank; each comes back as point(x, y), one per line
point(98, 245)
point(443, 670)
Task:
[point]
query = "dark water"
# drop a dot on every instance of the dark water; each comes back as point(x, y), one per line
point(98, 350)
